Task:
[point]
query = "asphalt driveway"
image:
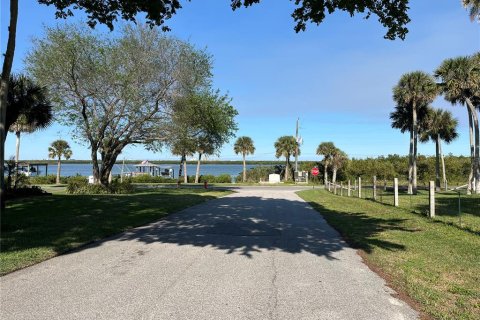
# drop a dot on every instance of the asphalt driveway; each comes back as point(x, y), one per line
point(261, 253)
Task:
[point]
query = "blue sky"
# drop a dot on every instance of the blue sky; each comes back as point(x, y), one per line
point(336, 77)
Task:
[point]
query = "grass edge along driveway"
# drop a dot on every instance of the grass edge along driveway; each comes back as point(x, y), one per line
point(435, 264)
point(38, 228)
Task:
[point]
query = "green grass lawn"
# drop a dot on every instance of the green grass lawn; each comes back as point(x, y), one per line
point(436, 264)
point(38, 228)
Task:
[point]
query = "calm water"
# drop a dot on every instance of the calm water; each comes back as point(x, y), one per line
point(71, 169)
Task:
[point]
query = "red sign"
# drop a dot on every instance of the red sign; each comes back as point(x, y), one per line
point(315, 171)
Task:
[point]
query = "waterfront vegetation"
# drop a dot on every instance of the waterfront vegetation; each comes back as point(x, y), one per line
point(37, 228)
point(434, 262)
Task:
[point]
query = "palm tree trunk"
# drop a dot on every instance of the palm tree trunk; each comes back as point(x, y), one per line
point(444, 174)
point(472, 152)
point(325, 174)
point(185, 174)
point(476, 167)
point(410, 164)
point(334, 174)
point(197, 175)
point(244, 169)
point(6, 69)
point(59, 163)
point(17, 148)
point(414, 158)
point(437, 163)
point(287, 168)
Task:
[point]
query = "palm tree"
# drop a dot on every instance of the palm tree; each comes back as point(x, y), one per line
point(286, 146)
point(28, 108)
point(439, 125)
point(57, 150)
point(326, 149)
point(474, 7)
point(339, 158)
point(460, 84)
point(244, 145)
point(414, 91)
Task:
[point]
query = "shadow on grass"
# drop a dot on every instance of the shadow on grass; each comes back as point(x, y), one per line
point(361, 230)
point(63, 222)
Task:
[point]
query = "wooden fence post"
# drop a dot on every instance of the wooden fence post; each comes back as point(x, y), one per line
point(341, 188)
point(335, 188)
point(395, 192)
point(374, 188)
point(349, 188)
point(431, 189)
point(359, 187)
point(329, 186)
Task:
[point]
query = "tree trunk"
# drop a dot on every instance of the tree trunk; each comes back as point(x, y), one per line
point(444, 174)
point(244, 169)
point(95, 165)
point(6, 70)
point(325, 174)
point(476, 166)
point(197, 174)
point(185, 173)
point(287, 168)
point(410, 164)
point(437, 163)
point(415, 140)
point(17, 155)
point(472, 152)
point(334, 174)
point(108, 161)
point(59, 164)
point(181, 167)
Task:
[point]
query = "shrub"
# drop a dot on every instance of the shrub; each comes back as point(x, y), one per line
point(145, 178)
point(26, 191)
point(77, 178)
point(77, 186)
point(257, 174)
point(50, 179)
point(223, 178)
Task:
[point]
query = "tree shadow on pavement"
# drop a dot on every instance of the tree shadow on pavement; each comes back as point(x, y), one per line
point(249, 225)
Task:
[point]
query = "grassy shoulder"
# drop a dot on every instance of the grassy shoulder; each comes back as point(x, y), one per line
point(436, 264)
point(38, 228)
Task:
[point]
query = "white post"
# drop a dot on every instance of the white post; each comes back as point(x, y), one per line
point(374, 188)
point(431, 212)
point(341, 189)
point(335, 188)
point(359, 187)
point(395, 192)
point(349, 188)
point(329, 186)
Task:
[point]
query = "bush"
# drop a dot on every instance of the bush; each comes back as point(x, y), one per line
point(223, 178)
point(257, 174)
point(77, 186)
point(50, 179)
point(145, 178)
point(77, 178)
point(26, 191)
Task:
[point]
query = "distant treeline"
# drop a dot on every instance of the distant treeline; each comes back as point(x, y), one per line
point(396, 166)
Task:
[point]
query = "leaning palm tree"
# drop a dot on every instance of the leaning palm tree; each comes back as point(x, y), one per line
point(326, 149)
point(473, 7)
point(244, 145)
point(57, 150)
point(460, 84)
point(286, 146)
point(28, 108)
point(440, 126)
point(339, 158)
point(414, 91)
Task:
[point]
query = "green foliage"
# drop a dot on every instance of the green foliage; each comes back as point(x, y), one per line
point(115, 187)
point(146, 178)
point(223, 178)
point(244, 145)
point(257, 174)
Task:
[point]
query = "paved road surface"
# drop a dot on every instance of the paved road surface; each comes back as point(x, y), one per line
point(262, 253)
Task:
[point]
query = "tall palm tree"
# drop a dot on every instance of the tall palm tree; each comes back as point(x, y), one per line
point(474, 7)
point(244, 145)
point(439, 125)
point(326, 149)
point(339, 158)
point(28, 108)
point(415, 90)
point(286, 146)
point(460, 84)
point(57, 150)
